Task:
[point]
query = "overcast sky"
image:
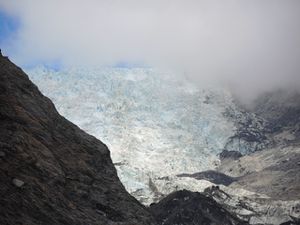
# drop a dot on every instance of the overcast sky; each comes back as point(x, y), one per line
point(253, 45)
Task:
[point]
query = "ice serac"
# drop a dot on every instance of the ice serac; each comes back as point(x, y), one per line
point(156, 124)
point(51, 171)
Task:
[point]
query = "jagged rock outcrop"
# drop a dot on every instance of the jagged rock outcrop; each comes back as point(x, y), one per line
point(281, 110)
point(52, 172)
point(254, 208)
point(250, 135)
point(189, 208)
point(225, 154)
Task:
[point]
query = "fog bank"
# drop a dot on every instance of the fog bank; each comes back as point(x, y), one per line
point(250, 46)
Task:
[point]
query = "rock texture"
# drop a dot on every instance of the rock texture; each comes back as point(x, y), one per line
point(52, 172)
point(250, 135)
point(192, 208)
point(274, 172)
point(255, 208)
point(225, 154)
point(281, 110)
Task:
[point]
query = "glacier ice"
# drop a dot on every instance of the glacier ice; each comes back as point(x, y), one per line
point(156, 125)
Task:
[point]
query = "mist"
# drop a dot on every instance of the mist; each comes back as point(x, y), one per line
point(249, 46)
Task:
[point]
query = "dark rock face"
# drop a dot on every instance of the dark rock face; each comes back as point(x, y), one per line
point(281, 110)
point(52, 172)
point(212, 176)
point(250, 134)
point(225, 154)
point(189, 208)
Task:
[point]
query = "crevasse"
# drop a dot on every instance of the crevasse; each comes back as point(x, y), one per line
point(155, 124)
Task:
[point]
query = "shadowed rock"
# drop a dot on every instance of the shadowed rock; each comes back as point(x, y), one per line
point(51, 171)
point(189, 208)
point(225, 154)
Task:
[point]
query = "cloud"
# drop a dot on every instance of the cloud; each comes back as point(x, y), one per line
point(252, 46)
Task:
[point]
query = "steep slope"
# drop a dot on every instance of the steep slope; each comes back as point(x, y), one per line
point(156, 124)
point(51, 171)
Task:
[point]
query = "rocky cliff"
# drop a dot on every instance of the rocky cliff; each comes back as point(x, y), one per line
point(52, 172)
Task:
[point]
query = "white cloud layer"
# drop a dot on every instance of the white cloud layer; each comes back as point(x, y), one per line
point(251, 45)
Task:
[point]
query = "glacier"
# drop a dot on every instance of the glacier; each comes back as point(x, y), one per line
point(156, 124)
